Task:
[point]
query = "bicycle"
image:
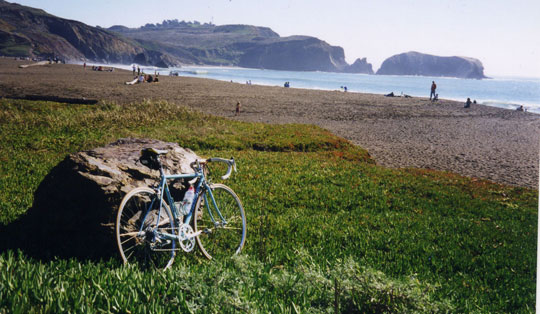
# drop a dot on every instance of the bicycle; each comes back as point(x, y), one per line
point(149, 222)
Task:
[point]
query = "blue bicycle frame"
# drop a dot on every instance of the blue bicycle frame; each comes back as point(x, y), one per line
point(163, 190)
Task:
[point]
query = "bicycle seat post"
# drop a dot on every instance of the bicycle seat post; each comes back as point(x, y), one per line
point(161, 172)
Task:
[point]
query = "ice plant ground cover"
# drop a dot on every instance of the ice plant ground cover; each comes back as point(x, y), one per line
point(328, 229)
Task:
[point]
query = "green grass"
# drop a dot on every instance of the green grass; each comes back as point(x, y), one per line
point(327, 229)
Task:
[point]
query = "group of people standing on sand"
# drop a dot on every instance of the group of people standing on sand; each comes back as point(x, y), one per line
point(433, 96)
point(99, 68)
point(143, 78)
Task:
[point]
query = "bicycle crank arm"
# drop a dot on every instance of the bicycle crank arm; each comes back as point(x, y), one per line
point(193, 235)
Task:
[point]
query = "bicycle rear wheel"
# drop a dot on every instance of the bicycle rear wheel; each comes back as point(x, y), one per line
point(137, 226)
point(218, 240)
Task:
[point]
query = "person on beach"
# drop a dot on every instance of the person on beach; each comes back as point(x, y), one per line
point(520, 108)
point(433, 89)
point(133, 67)
point(468, 103)
point(84, 66)
point(138, 71)
point(237, 112)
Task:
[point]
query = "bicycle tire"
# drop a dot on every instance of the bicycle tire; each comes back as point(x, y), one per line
point(143, 247)
point(220, 241)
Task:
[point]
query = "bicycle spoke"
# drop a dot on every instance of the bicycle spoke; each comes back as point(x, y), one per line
point(231, 228)
point(128, 239)
point(129, 256)
point(130, 248)
point(216, 240)
point(135, 215)
point(132, 234)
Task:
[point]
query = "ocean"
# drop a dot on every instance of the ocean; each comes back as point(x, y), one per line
point(503, 92)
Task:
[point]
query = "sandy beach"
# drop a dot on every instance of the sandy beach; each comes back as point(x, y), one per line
point(482, 142)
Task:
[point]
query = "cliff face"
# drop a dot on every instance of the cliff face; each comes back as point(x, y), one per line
point(242, 45)
point(414, 63)
point(359, 66)
point(297, 53)
point(26, 31)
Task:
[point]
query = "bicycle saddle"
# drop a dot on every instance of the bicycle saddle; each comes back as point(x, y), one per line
point(154, 151)
point(150, 157)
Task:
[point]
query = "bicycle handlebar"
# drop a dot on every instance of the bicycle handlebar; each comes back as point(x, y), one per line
point(230, 163)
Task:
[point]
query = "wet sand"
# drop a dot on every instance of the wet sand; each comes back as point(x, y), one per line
point(483, 142)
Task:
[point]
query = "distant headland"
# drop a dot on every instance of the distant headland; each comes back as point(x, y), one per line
point(415, 63)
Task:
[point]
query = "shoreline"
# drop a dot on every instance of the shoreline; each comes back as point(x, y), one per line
point(484, 142)
point(508, 105)
point(531, 107)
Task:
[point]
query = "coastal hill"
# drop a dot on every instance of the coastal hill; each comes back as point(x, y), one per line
point(415, 63)
point(30, 32)
point(242, 45)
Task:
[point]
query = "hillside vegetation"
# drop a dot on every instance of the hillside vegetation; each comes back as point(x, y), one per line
point(328, 230)
point(242, 45)
point(30, 32)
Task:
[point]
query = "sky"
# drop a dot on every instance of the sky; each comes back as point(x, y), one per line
point(504, 35)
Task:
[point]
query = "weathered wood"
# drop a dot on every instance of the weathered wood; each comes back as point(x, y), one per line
point(83, 100)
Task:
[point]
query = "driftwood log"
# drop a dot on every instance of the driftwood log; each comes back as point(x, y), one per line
point(57, 99)
point(75, 206)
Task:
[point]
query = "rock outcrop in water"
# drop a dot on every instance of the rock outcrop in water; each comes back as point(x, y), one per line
point(359, 66)
point(415, 63)
point(75, 206)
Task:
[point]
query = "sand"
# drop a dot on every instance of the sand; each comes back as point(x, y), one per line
point(483, 142)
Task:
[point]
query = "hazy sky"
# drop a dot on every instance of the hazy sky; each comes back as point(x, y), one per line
point(504, 35)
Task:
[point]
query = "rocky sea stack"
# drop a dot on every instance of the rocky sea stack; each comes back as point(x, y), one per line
point(415, 63)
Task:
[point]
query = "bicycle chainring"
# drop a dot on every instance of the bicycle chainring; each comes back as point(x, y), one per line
point(187, 244)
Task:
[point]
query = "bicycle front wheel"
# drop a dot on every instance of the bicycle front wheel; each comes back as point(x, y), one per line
point(220, 237)
point(139, 225)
